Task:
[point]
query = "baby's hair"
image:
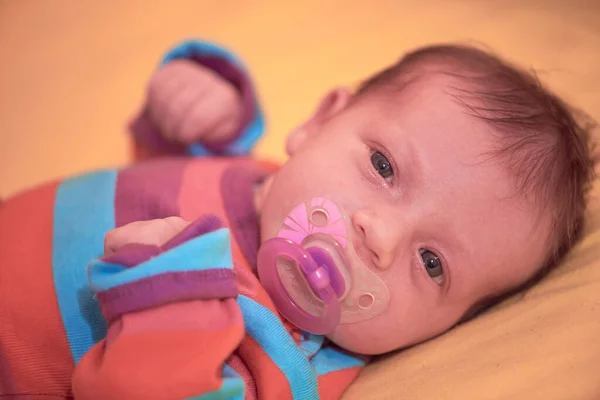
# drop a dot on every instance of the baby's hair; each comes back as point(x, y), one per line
point(543, 142)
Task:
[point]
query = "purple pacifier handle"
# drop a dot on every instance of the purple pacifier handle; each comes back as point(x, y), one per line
point(317, 277)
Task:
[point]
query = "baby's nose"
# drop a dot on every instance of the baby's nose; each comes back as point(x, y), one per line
point(378, 236)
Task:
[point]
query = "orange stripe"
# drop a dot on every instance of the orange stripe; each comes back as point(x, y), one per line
point(158, 365)
point(271, 383)
point(34, 344)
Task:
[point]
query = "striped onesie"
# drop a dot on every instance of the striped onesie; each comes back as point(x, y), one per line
point(187, 320)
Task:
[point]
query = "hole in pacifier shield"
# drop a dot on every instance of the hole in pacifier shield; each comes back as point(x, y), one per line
point(319, 217)
point(366, 301)
point(297, 287)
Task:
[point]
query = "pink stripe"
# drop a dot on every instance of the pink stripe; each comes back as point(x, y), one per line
point(149, 190)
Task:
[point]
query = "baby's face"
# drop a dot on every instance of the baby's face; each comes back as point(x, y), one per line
point(438, 222)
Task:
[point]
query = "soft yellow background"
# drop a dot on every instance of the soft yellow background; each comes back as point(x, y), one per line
point(73, 72)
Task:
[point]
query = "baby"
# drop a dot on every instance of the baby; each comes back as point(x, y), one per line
point(443, 183)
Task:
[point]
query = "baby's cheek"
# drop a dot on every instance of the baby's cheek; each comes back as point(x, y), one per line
point(410, 318)
point(371, 337)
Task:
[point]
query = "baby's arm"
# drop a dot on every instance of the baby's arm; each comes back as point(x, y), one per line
point(173, 319)
point(199, 102)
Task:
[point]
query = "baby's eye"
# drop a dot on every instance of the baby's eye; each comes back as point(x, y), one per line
point(382, 165)
point(433, 265)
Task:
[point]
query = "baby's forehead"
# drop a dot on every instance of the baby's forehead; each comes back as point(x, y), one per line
point(429, 87)
point(430, 92)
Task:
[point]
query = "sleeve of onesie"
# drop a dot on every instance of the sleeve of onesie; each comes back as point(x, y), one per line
point(149, 142)
point(173, 321)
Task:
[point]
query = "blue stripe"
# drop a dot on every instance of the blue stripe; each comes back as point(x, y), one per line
point(212, 250)
point(310, 343)
point(329, 359)
point(232, 388)
point(83, 213)
point(250, 135)
point(189, 48)
point(268, 331)
point(242, 145)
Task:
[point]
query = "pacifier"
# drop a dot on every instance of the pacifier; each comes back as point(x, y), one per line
point(313, 273)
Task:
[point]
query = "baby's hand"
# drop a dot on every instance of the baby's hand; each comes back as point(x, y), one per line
point(154, 232)
point(190, 103)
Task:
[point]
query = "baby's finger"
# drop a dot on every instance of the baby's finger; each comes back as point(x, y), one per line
point(214, 117)
point(186, 99)
point(154, 232)
point(165, 85)
point(204, 121)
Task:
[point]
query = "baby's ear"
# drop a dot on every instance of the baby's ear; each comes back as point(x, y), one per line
point(332, 103)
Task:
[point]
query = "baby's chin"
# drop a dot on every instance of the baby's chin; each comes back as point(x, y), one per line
point(361, 338)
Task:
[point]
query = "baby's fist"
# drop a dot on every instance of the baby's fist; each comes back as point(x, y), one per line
point(188, 103)
point(154, 232)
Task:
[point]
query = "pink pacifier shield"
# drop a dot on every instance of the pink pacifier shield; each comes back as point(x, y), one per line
point(321, 215)
point(314, 275)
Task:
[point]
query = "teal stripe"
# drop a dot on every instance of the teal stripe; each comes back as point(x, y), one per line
point(232, 388)
point(330, 359)
point(83, 213)
point(250, 135)
point(268, 331)
point(242, 145)
point(189, 48)
point(310, 343)
point(212, 250)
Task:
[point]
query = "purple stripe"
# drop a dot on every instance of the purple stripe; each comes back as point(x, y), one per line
point(149, 190)
point(142, 128)
point(167, 288)
point(132, 254)
point(237, 188)
point(7, 383)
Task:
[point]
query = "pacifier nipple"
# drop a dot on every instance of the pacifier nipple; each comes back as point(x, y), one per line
point(318, 279)
point(330, 270)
